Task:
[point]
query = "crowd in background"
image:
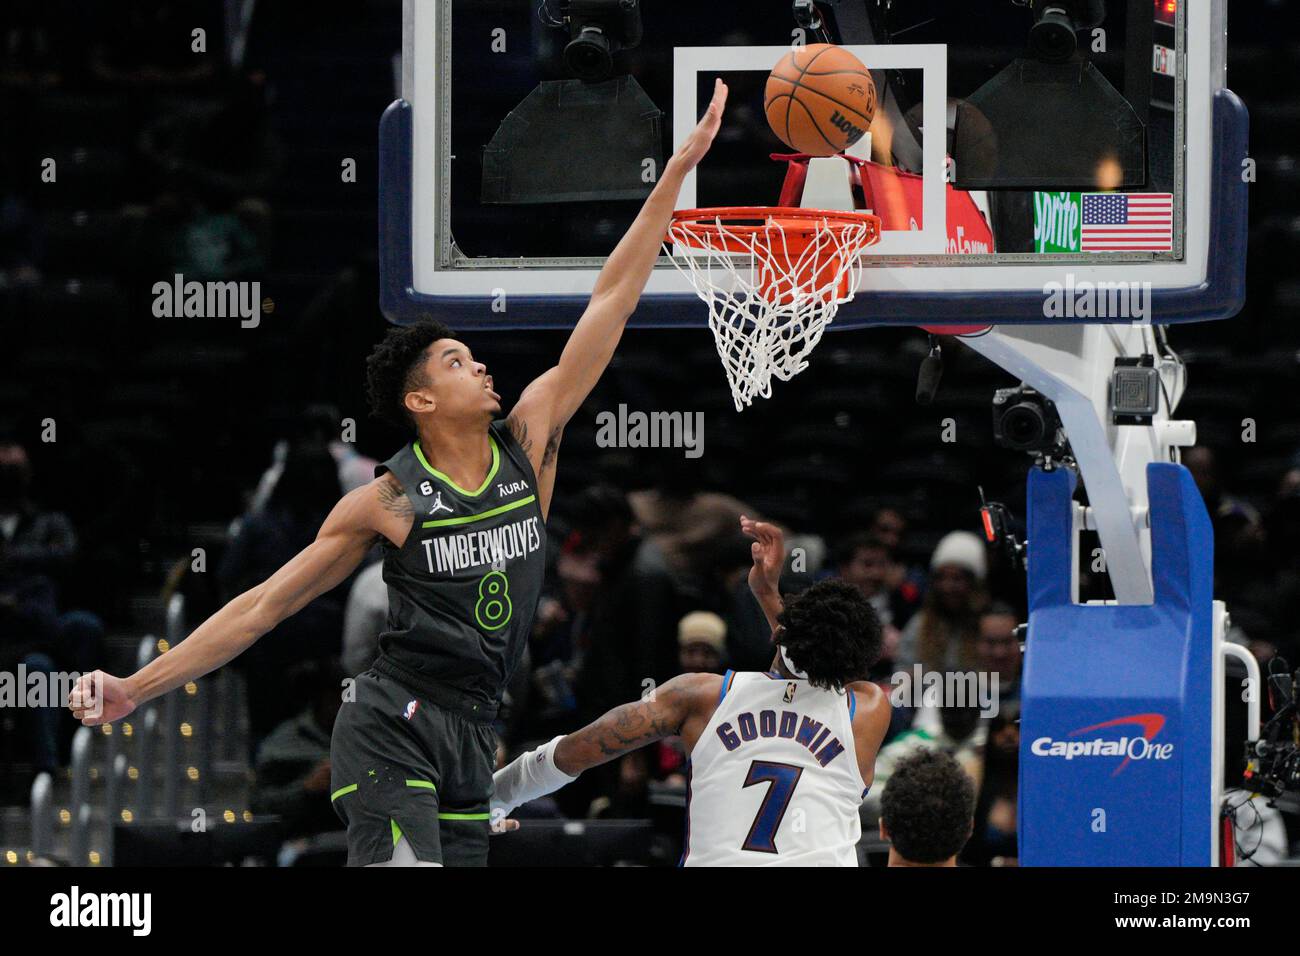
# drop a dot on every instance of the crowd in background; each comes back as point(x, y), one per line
point(641, 586)
point(174, 436)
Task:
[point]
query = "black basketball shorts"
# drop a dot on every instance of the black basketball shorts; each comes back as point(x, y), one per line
point(401, 766)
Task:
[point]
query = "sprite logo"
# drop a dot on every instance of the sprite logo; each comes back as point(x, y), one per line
point(1058, 222)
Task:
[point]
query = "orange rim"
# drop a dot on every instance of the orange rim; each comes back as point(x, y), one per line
point(725, 224)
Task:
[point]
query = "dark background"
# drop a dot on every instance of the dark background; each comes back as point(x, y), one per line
point(169, 161)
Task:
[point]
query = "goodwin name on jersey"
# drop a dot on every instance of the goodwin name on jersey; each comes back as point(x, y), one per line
point(813, 734)
point(458, 551)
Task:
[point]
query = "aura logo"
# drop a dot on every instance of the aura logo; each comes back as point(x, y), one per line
point(1141, 747)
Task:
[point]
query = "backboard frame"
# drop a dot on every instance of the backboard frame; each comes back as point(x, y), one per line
point(414, 280)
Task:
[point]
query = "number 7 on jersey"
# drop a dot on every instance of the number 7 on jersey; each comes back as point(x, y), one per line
point(781, 779)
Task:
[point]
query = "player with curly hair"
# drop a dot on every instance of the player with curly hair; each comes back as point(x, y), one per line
point(779, 760)
point(926, 811)
point(460, 513)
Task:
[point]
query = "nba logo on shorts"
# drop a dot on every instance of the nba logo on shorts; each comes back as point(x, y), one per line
point(410, 709)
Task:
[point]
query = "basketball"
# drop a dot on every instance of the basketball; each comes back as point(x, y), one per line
point(820, 99)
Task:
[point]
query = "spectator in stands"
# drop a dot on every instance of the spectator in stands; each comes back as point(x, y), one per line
point(364, 619)
point(867, 563)
point(33, 543)
point(633, 633)
point(560, 635)
point(686, 522)
point(993, 839)
point(926, 811)
point(293, 765)
point(888, 526)
point(701, 643)
point(906, 584)
point(306, 491)
point(998, 649)
point(942, 635)
point(38, 550)
point(319, 425)
point(627, 643)
point(997, 652)
point(725, 590)
point(961, 733)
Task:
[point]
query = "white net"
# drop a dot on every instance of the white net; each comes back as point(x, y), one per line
point(772, 287)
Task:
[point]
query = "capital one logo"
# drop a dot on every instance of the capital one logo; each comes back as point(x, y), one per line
point(1139, 747)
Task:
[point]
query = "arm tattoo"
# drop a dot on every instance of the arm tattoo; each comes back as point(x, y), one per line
point(392, 498)
point(552, 448)
point(627, 728)
point(519, 428)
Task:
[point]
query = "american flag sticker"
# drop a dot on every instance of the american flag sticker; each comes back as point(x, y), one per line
point(1128, 222)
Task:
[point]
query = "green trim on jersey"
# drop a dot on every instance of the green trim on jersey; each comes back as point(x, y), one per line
point(342, 792)
point(397, 831)
point(422, 783)
point(464, 816)
point(490, 513)
point(492, 472)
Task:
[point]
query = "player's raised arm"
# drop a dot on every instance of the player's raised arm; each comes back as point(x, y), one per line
point(340, 545)
point(768, 553)
point(549, 402)
point(680, 706)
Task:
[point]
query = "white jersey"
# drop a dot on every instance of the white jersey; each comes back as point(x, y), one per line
point(774, 778)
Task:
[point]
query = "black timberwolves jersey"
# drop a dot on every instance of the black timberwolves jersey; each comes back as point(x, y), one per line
point(463, 588)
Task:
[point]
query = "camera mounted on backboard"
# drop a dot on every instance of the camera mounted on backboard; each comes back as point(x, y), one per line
point(1024, 420)
point(806, 15)
point(1054, 37)
point(599, 29)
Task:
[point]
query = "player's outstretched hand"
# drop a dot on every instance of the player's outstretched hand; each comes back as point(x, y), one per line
point(497, 827)
point(99, 698)
point(693, 148)
point(768, 552)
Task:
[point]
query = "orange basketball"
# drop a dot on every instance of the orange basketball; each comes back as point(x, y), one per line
point(820, 99)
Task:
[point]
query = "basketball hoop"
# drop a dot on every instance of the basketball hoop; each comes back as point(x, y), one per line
point(773, 279)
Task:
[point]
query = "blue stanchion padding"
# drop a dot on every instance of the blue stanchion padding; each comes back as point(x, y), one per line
point(1115, 745)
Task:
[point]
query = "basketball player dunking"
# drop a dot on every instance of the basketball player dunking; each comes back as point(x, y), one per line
point(779, 761)
point(460, 513)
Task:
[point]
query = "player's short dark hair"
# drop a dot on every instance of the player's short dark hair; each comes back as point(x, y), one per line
point(831, 633)
point(393, 368)
point(927, 807)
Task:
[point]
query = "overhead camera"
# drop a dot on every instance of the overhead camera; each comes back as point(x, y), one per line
point(806, 14)
point(1054, 37)
point(599, 29)
point(1024, 420)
